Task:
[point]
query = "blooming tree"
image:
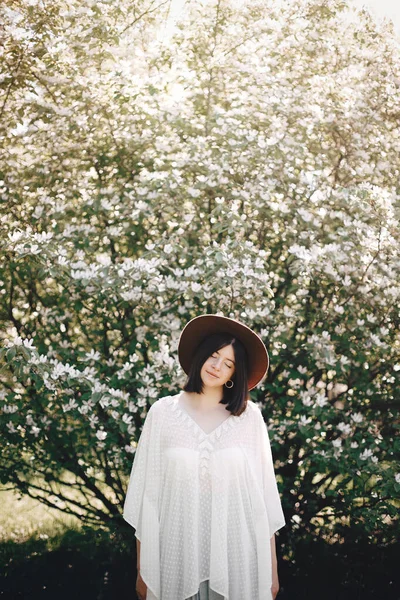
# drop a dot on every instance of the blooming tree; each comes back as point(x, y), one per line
point(238, 160)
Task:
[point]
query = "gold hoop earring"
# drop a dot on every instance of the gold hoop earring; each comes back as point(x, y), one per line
point(229, 386)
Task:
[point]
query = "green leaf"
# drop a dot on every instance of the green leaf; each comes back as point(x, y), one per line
point(11, 352)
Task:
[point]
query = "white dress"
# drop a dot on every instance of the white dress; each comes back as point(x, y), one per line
point(204, 506)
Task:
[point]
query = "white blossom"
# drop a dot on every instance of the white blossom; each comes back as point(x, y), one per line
point(366, 454)
point(16, 341)
point(357, 417)
point(304, 420)
point(71, 405)
point(86, 407)
point(10, 408)
point(10, 427)
point(321, 400)
point(93, 420)
point(193, 192)
point(345, 428)
point(35, 431)
point(92, 355)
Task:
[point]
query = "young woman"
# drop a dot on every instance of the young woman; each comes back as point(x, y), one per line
point(202, 495)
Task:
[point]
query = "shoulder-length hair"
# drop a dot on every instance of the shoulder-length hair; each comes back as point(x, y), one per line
point(235, 397)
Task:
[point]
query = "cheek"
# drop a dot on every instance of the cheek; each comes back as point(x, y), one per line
point(227, 373)
point(205, 366)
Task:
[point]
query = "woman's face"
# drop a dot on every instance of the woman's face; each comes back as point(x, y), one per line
point(219, 367)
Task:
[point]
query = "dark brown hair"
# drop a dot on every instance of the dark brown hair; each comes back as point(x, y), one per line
point(235, 397)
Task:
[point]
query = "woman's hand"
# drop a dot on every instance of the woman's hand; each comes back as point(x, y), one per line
point(274, 586)
point(275, 579)
point(141, 588)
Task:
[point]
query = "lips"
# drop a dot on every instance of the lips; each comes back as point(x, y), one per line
point(215, 377)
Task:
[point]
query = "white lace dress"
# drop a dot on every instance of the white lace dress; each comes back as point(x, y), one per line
point(204, 506)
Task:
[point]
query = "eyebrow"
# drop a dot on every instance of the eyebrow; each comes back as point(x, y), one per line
point(217, 352)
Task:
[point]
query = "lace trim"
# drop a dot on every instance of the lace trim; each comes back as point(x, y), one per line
point(205, 439)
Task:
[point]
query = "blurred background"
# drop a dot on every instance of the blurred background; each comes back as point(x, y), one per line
point(161, 160)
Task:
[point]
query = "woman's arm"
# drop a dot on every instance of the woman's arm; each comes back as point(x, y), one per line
point(138, 555)
point(275, 580)
point(141, 587)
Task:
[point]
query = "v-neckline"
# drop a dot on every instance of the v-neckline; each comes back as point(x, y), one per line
point(185, 412)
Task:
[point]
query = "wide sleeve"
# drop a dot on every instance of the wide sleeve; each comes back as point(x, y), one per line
point(141, 507)
point(270, 491)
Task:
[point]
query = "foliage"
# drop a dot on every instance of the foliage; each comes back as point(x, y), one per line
point(101, 565)
point(243, 161)
point(96, 563)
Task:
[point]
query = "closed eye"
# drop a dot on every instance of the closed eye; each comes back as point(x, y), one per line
point(215, 356)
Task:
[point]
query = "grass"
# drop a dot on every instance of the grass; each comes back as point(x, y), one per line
point(22, 518)
point(46, 554)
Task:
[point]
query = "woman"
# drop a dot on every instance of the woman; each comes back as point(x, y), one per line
point(202, 495)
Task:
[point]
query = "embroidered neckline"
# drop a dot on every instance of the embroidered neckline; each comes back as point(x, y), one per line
point(185, 418)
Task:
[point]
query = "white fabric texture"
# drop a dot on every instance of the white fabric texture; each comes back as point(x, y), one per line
point(204, 506)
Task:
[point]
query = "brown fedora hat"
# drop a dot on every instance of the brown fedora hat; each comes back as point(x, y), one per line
point(196, 330)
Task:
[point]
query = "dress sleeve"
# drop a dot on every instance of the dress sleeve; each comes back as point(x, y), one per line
point(269, 486)
point(141, 508)
point(142, 487)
